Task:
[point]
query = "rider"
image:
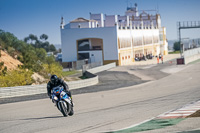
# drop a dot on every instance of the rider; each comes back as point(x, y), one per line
point(55, 81)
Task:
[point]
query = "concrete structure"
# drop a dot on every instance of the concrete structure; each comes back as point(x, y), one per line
point(114, 38)
point(191, 55)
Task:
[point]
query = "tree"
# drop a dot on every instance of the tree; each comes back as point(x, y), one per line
point(52, 48)
point(32, 38)
point(45, 45)
point(2, 44)
point(44, 37)
point(41, 54)
point(42, 43)
point(8, 38)
point(176, 46)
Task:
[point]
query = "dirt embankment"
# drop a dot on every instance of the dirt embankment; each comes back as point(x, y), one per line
point(9, 61)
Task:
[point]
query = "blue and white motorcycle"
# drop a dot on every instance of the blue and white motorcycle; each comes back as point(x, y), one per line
point(62, 101)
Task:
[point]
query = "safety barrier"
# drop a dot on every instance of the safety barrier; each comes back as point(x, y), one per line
point(191, 55)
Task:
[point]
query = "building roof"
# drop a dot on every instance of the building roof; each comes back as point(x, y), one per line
point(82, 20)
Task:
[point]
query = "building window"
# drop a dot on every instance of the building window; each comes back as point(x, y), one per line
point(83, 45)
point(82, 56)
point(96, 48)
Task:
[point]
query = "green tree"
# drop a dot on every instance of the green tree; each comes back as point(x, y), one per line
point(31, 38)
point(52, 48)
point(8, 38)
point(45, 45)
point(42, 43)
point(2, 44)
point(176, 46)
point(41, 54)
point(33, 55)
point(44, 37)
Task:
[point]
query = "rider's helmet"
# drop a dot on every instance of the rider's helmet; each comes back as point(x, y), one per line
point(54, 79)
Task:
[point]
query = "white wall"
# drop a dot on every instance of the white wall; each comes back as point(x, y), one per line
point(99, 18)
point(191, 55)
point(110, 20)
point(191, 52)
point(82, 25)
point(70, 36)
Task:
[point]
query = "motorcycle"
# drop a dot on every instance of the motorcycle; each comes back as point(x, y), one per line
point(62, 100)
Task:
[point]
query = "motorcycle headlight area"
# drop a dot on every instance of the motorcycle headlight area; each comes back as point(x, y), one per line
point(63, 95)
point(55, 98)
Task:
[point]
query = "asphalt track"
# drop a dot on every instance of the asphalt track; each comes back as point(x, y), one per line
point(105, 110)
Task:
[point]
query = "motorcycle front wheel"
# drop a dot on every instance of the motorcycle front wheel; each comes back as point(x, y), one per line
point(63, 109)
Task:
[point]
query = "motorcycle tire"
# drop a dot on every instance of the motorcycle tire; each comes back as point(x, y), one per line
point(71, 111)
point(63, 110)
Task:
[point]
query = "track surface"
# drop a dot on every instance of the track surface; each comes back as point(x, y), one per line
point(104, 110)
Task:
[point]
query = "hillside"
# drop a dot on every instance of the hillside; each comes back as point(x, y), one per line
point(9, 61)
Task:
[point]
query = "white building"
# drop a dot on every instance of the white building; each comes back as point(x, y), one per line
point(113, 38)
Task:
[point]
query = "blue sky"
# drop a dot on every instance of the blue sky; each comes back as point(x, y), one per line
point(24, 17)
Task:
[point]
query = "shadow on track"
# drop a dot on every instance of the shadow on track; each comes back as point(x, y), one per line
point(41, 118)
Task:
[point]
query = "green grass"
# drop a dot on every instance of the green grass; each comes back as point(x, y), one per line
point(175, 52)
point(67, 73)
point(193, 62)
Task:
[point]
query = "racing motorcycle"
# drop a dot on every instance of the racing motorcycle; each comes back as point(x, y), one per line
point(62, 100)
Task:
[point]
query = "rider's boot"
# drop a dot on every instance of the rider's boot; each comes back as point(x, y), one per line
point(72, 102)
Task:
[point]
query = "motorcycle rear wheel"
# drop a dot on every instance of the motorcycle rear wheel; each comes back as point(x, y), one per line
point(71, 111)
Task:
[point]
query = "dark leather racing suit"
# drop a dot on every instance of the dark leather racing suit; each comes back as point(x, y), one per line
point(50, 86)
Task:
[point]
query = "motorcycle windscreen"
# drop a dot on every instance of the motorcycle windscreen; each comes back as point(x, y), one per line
point(64, 95)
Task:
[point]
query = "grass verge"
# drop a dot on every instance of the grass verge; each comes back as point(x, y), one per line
point(175, 52)
point(68, 73)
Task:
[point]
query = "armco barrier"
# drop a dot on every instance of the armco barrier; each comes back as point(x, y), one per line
point(191, 55)
point(6, 92)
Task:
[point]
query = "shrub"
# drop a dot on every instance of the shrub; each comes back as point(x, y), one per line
point(16, 78)
point(51, 69)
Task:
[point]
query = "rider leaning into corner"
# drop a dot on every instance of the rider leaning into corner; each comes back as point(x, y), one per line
point(55, 81)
